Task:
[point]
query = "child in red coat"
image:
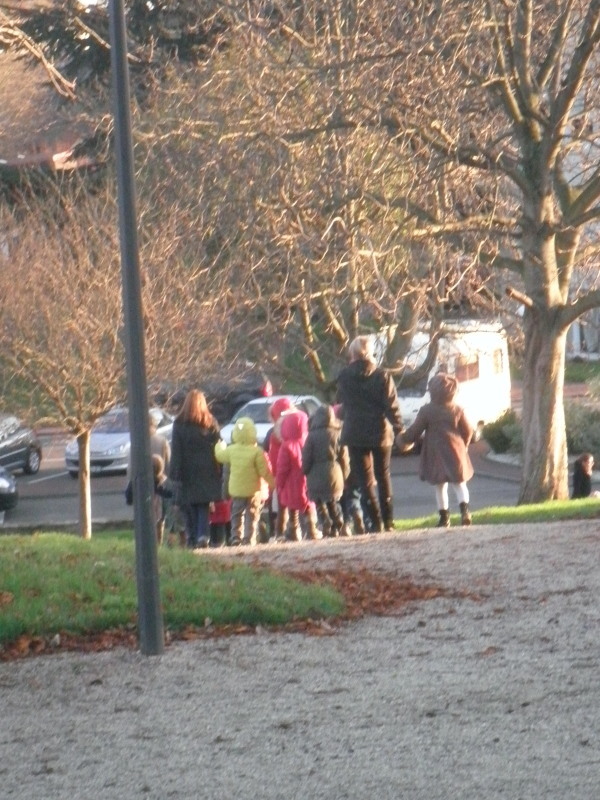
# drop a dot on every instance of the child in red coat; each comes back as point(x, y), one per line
point(290, 479)
point(219, 519)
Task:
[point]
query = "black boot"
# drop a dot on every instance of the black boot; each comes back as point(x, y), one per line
point(374, 512)
point(444, 521)
point(465, 516)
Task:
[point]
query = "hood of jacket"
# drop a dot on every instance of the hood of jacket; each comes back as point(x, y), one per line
point(279, 406)
point(294, 426)
point(362, 367)
point(244, 431)
point(442, 388)
point(323, 417)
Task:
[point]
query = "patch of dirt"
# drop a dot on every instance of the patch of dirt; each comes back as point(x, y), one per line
point(365, 591)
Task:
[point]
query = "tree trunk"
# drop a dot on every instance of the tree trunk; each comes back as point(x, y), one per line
point(85, 493)
point(545, 466)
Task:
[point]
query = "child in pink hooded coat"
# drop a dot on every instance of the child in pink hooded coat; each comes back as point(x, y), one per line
point(290, 479)
point(278, 520)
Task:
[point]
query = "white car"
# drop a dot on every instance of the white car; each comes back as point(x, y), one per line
point(258, 411)
point(110, 442)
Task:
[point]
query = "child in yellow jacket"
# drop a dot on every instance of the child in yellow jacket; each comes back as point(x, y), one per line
point(248, 469)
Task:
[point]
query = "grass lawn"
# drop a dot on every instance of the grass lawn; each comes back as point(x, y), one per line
point(58, 584)
point(52, 583)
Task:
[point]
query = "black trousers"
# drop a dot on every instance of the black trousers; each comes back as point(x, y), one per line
point(370, 467)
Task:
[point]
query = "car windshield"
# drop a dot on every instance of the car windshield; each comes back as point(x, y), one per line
point(258, 412)
point(113, 422)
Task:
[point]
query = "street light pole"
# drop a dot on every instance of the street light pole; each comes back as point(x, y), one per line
point(150, 622)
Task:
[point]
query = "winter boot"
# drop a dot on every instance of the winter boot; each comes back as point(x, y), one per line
point(387, 512)
point(359, 524)
point(312, 531)
point(444, 521)
point(281, 523)
point(465, 516)
point(374, 514)
point(294, 531)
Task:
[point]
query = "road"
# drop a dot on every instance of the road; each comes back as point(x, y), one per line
point(50, 497)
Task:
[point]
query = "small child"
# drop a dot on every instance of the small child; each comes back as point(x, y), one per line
point(325, 464)
point(248, 467)
point(444, 456)
point(582, 477)
point(350, 501)
point(277, 519)
point(291, 481)
point(219, 520)
point(161, 493)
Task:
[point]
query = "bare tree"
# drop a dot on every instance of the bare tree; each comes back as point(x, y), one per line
point(499, 104)
point(61, 319)
point(304, 198)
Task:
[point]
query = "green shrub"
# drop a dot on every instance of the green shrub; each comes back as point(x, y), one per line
point(582, 420)
point(501, 434)
point(583, 427)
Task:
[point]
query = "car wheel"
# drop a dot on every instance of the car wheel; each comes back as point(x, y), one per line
point(32, 465)
point(74, 475)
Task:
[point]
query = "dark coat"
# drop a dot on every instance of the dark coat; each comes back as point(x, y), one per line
point(446, 434)
point(370, 408)
point(324, 458)
point(582, 481)
point(193, 464)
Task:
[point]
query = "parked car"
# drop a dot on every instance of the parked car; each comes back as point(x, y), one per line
point(258, 411)
point(110, 442)
point(20, 447)
point(224, 397)
point(9, 494)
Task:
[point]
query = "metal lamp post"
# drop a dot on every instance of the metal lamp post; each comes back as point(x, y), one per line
point(150, 623)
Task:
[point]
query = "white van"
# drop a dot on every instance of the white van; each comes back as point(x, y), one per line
point(476, 353)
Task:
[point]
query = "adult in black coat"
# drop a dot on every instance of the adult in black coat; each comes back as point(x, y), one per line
point(371, 421)
point(194, 469)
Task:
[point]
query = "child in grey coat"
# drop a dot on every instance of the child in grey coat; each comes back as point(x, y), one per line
point(325, 464)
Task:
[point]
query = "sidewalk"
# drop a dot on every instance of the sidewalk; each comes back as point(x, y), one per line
point(488, 691)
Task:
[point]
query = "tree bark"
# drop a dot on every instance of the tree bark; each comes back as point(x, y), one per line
point(85, 494)
point(545, 466)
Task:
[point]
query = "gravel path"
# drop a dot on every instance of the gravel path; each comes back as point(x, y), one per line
point(491, 693)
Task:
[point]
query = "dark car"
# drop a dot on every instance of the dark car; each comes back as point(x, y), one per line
point(224, 397)
point(8, 490)
point(20, 447)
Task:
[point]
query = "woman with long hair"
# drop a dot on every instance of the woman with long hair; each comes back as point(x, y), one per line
point(194, 469)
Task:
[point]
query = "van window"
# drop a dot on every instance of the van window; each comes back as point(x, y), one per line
point(466, 368)
point(498, 362)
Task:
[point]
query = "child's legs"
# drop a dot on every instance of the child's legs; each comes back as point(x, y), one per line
point(218, 533)
point(191, 525)
point(254, 508)
point(335, 514)
point(323, 516)
point(282, 520)
point(238, 515)
point(441, 496)
point(203, 526)
point(461, 492)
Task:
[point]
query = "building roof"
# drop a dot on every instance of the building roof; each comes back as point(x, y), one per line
point(37, 126)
